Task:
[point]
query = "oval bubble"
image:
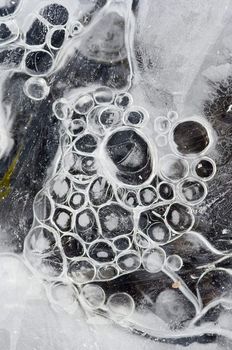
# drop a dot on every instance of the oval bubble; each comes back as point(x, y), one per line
point(174, 262)
point(103, 95)
point(81, 271)
point(173, 168)
point(123, 100)
point(40, 240)
point(36, 88)
point(135, 116)
point(159, 232)
point(72, 246)
point(129, 261)
point(162, 125)
point(190, 137)
point(55, 14)
point(61, 109)
point(204, 168)
point(101, 251)
point(179, 217)
point(166, 191)
point(107, 272)
point(192, 191)
point(147, 196)
point(38, 62)
point(153, 260)
point(93, 295)
point(120, 305)
point(84, 104)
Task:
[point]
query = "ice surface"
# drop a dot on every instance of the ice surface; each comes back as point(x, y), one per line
point(115, 186)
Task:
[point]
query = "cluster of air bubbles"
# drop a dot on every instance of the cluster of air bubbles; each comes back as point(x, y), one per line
point(32, 45)
point(115, 200)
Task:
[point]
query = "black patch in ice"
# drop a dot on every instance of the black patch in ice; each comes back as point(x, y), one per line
point(55, 14)
point(36, 35)
point(57, 38)
point(190, 137)
point(4, 31)
point(39, 61)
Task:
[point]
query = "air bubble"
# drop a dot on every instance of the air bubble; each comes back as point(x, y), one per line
point(76, 127)
point(122, 243)
point(72, 246)
point(86, 143)
point(205, 168)
point(166, 191)
point(40, 240)
point(162, 125)
point(115, 220)
point(172, 116)
point(101, 251)
point(159, 232)
point(81, 271)
point(59, 188)
point(36, 33)
point(100, 191)
point(62, 218)
point(55, 14)
point(36, 88)
point(57, 38)
point(86, 225)
point(147, 196)
point(161, 140)
point(8, 8)
point(192, 191)
point(76, 28)
point(120, 305)
point(11, 57)
point(64, 295)
point(9, 32)
point(190, 137)
point(174, 262)
point(94, 296)
point(173, 168)
point(135, 116)
point(123, 100)
point(129, 261)
point(77, 200)
point(110, 117)
point(103, 95)
point(84, 104)
point(153, 260)
point(61, 109)
point(42, 207)
point(38, 62)
point(107, 272)
point(179, 217)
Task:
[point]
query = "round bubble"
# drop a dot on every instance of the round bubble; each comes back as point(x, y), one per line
point(36, 88)
point(205, 168)
point(179, 217)
point(174, 262)
point(153, 259)
point(135, 116)
point(94, 295)
point(120, 305)
point(193, 191)
point(75, 28)
point(38, 62)
point(101, 251)
point(107, 272)
point(81, 271)
point(128, 261)
point(166, 191)
point(84, 104)
point(173, 168)
point(158, 232)
point(123, 100)
point(162, 125)
point(61, 109)
point(190, 137)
